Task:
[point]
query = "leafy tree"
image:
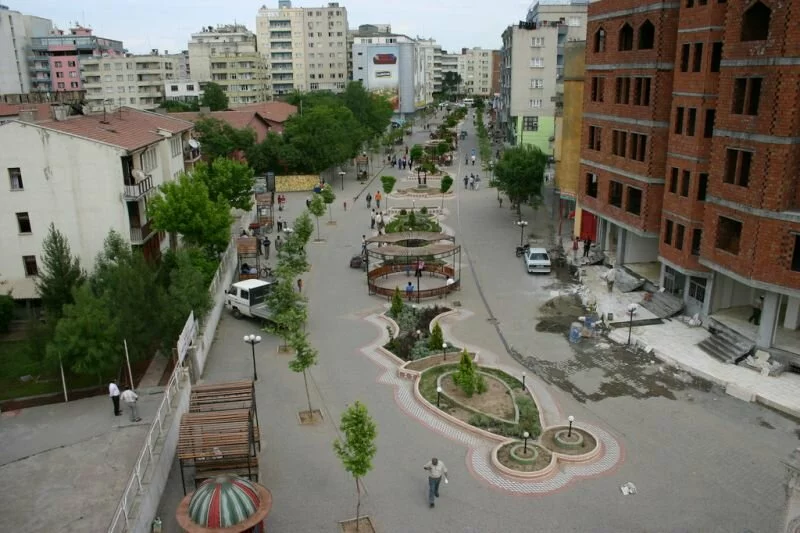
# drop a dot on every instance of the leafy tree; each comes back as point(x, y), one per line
point(468, 379)
point(324, 136)
point(175, 106)
point(292, 260)
point(388, 185)
point(184, 207)
point(220, 139)
point(227, 180)
point(206, 263)
point(6, 311)
point(214, 97)
point(397, 303)
point(328, 197)
point(317, 208)
point(305, 357)
point(371, 110)
point(357, 449)
point(436, 339)
point(520, 174)
point(85, 337)
point(187, 292)
point(416, 153)
point(303, 228)
point(446, 183)
point(273, 154)
point(61, 272)
point(450, 82)
point(288, 314)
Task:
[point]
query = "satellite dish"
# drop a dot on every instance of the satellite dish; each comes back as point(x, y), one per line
point(138, 175)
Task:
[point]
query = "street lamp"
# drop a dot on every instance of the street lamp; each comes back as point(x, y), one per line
point(523, 381)
point(341, 175)
point(521, 224)
point(631, 311)
point(525, 436)
point(438, 395)
point(419, 334)
point(571, 419)
point(444, 350)
point(252, 340)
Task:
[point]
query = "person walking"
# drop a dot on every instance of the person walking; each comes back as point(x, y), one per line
point(587, 244)
point(130, 398)
point(113, 392)
point(266, 242)
point(575, 243)
point(610, 276)
point(300, 285)
point(378, 199)
point(369, 200)
point(436, 470)
point(278, 244)
point(409, 291)
point(372, 221)
point(363, 245)
point(466, 181)
point(755, 316)
point(280, 223)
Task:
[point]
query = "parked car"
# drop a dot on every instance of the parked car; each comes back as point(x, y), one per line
point(537, 260)
point(248, 298)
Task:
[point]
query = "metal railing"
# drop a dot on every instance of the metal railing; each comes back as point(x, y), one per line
point(134, 192)
point(140, 234)
point(120, 521)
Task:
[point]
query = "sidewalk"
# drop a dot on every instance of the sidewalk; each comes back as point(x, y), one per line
point(675, 343)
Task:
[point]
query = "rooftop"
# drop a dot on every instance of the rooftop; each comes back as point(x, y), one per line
point(126, 128)
point(272, 111)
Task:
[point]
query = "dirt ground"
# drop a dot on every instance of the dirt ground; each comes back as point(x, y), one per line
point(542, 460)
point(364, 526)
point(548, 439)
point(496, 401)
point(434, 360)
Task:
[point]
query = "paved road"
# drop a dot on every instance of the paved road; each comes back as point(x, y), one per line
point(701, 461)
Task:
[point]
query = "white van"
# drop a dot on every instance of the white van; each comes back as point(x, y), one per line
point(248, 298)
point(469, 102)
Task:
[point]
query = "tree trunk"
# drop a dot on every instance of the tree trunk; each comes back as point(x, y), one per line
point(318, 236)
point(330, 212)
point(358, 505)
point(308, 396)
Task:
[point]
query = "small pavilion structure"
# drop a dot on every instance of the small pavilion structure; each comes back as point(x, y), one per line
point(393, 260)
point(225, 504)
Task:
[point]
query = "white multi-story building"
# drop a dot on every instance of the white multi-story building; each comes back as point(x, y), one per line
point(87, 175)
point(182, 91)
point(429, 55)
point(228, 56)
point(475, 68)
point(132, 80)
point(16, 32)
point(305, 48)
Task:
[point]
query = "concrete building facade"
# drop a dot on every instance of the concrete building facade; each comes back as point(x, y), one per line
point(16, 32)
point(689, 151)
point(228, 55)
point(87, 175)
point(305, 49)
point(475, 66)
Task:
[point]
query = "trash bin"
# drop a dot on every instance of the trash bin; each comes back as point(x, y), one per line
point(575, 332)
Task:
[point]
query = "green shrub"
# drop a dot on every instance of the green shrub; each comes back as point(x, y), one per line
point(403, 212)
point(528, 416)
point(436, 339)
point(419, 350)
point(407, 319)
point(397, 304)
point(424, 210)
point(467, 377)
point(6, 311)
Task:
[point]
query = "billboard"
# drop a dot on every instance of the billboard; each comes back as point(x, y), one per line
point(383, 72)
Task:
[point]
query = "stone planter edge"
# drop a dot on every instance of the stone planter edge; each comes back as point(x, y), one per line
point(539, 474)
point(583, 458)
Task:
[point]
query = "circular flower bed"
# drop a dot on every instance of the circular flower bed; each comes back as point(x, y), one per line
point(558, 439)
point(512, 455)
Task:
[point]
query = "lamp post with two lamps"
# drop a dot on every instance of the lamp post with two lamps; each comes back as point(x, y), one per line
point(341, 175)
point(521, 224)
point(252, 340)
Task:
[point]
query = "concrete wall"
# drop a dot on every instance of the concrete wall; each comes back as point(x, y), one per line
point(568, 134)
point(540, 138)
point(640, 249)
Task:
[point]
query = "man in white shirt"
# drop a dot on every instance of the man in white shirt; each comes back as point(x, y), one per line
point(130, 397)
point(113, 391)
point(436, 470)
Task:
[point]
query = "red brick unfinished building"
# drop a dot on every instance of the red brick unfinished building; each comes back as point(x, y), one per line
point(691, 151)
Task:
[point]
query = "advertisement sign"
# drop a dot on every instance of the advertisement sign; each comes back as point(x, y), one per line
point(383, 72)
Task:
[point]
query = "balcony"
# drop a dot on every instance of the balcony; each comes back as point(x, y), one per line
point(141, 234)
point(191, 154)
point(135, 192)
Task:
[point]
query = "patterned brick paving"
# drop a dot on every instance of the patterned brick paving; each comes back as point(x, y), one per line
point(478, 456)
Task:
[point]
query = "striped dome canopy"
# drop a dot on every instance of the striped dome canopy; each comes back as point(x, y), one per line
point(224, 501)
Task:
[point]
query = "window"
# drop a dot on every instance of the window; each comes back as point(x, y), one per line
point(74, 74)
point(173, 88)
point(73, 84)
point(729, 232)
point(647, 33)
point(691, 121)
point(24, 223)
point(29, 263)
point(685, 52)
point(755, 23)
point(600, 41)
point(595, 134)
point(689, 3)
point(697, 62)
point(679, 234)
point(697, 239)
point(149, 160)
point(623, 90)
point(58, 64)
point(746, 96)
point(615, 193)
point(175, 146)
point(686, 182)
point(537, 84)
point(537, 42)
point(591, 185)
point(716, 56)
point(634, 204)
point(598, 88)
point(537, 62)
point(626, 38)
point(702, 187)
point(536, 103)
point(619, 142)
point(796, 254)
point(59, 74)
point(641, 91)
point(15, 179)
point(668, 232)
point(638, 146)
point(673, 180)
point(708, 127)
point(737, 167)
point(71, 64)
point(190, 87)
point(697, 288)
point(530, 123)
point(679, 121)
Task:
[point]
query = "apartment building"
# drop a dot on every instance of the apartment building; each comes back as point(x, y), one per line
point(532, 70)
point(86, 174)
point(689, 154)
point(16, 32)
point(305, 48)
point(228, 55)
point(136, 81)
point(55, 60)
point(474, 65)
point(429, 63)
point(497, 70)
point(187, 91)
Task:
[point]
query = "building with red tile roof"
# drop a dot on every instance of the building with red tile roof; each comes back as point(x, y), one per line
point(263, 118)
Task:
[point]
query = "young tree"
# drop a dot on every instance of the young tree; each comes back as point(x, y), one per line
point(183, 206)
point(357, 449)
point(305, 357)
point(288, 312)
point(451, 82)
point(388, 186)
point(317, 208)
point(397, 303)
point(292, 259)
point(303, 228)
point(520, 173)
point(214, 97)
point(416, 153)
point(60, 273)
point(220, 139)
point(227, 180)
point(436, 339)
point(467, 376)
point(328, 197)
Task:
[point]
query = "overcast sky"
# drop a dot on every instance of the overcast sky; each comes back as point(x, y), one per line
point(167, 25)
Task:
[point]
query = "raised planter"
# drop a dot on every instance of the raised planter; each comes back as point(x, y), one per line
point(476, 411)
point(365, 525)
point(578, 451)
point(522, 473)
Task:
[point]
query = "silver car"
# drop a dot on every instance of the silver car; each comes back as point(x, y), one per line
point(537, 260)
